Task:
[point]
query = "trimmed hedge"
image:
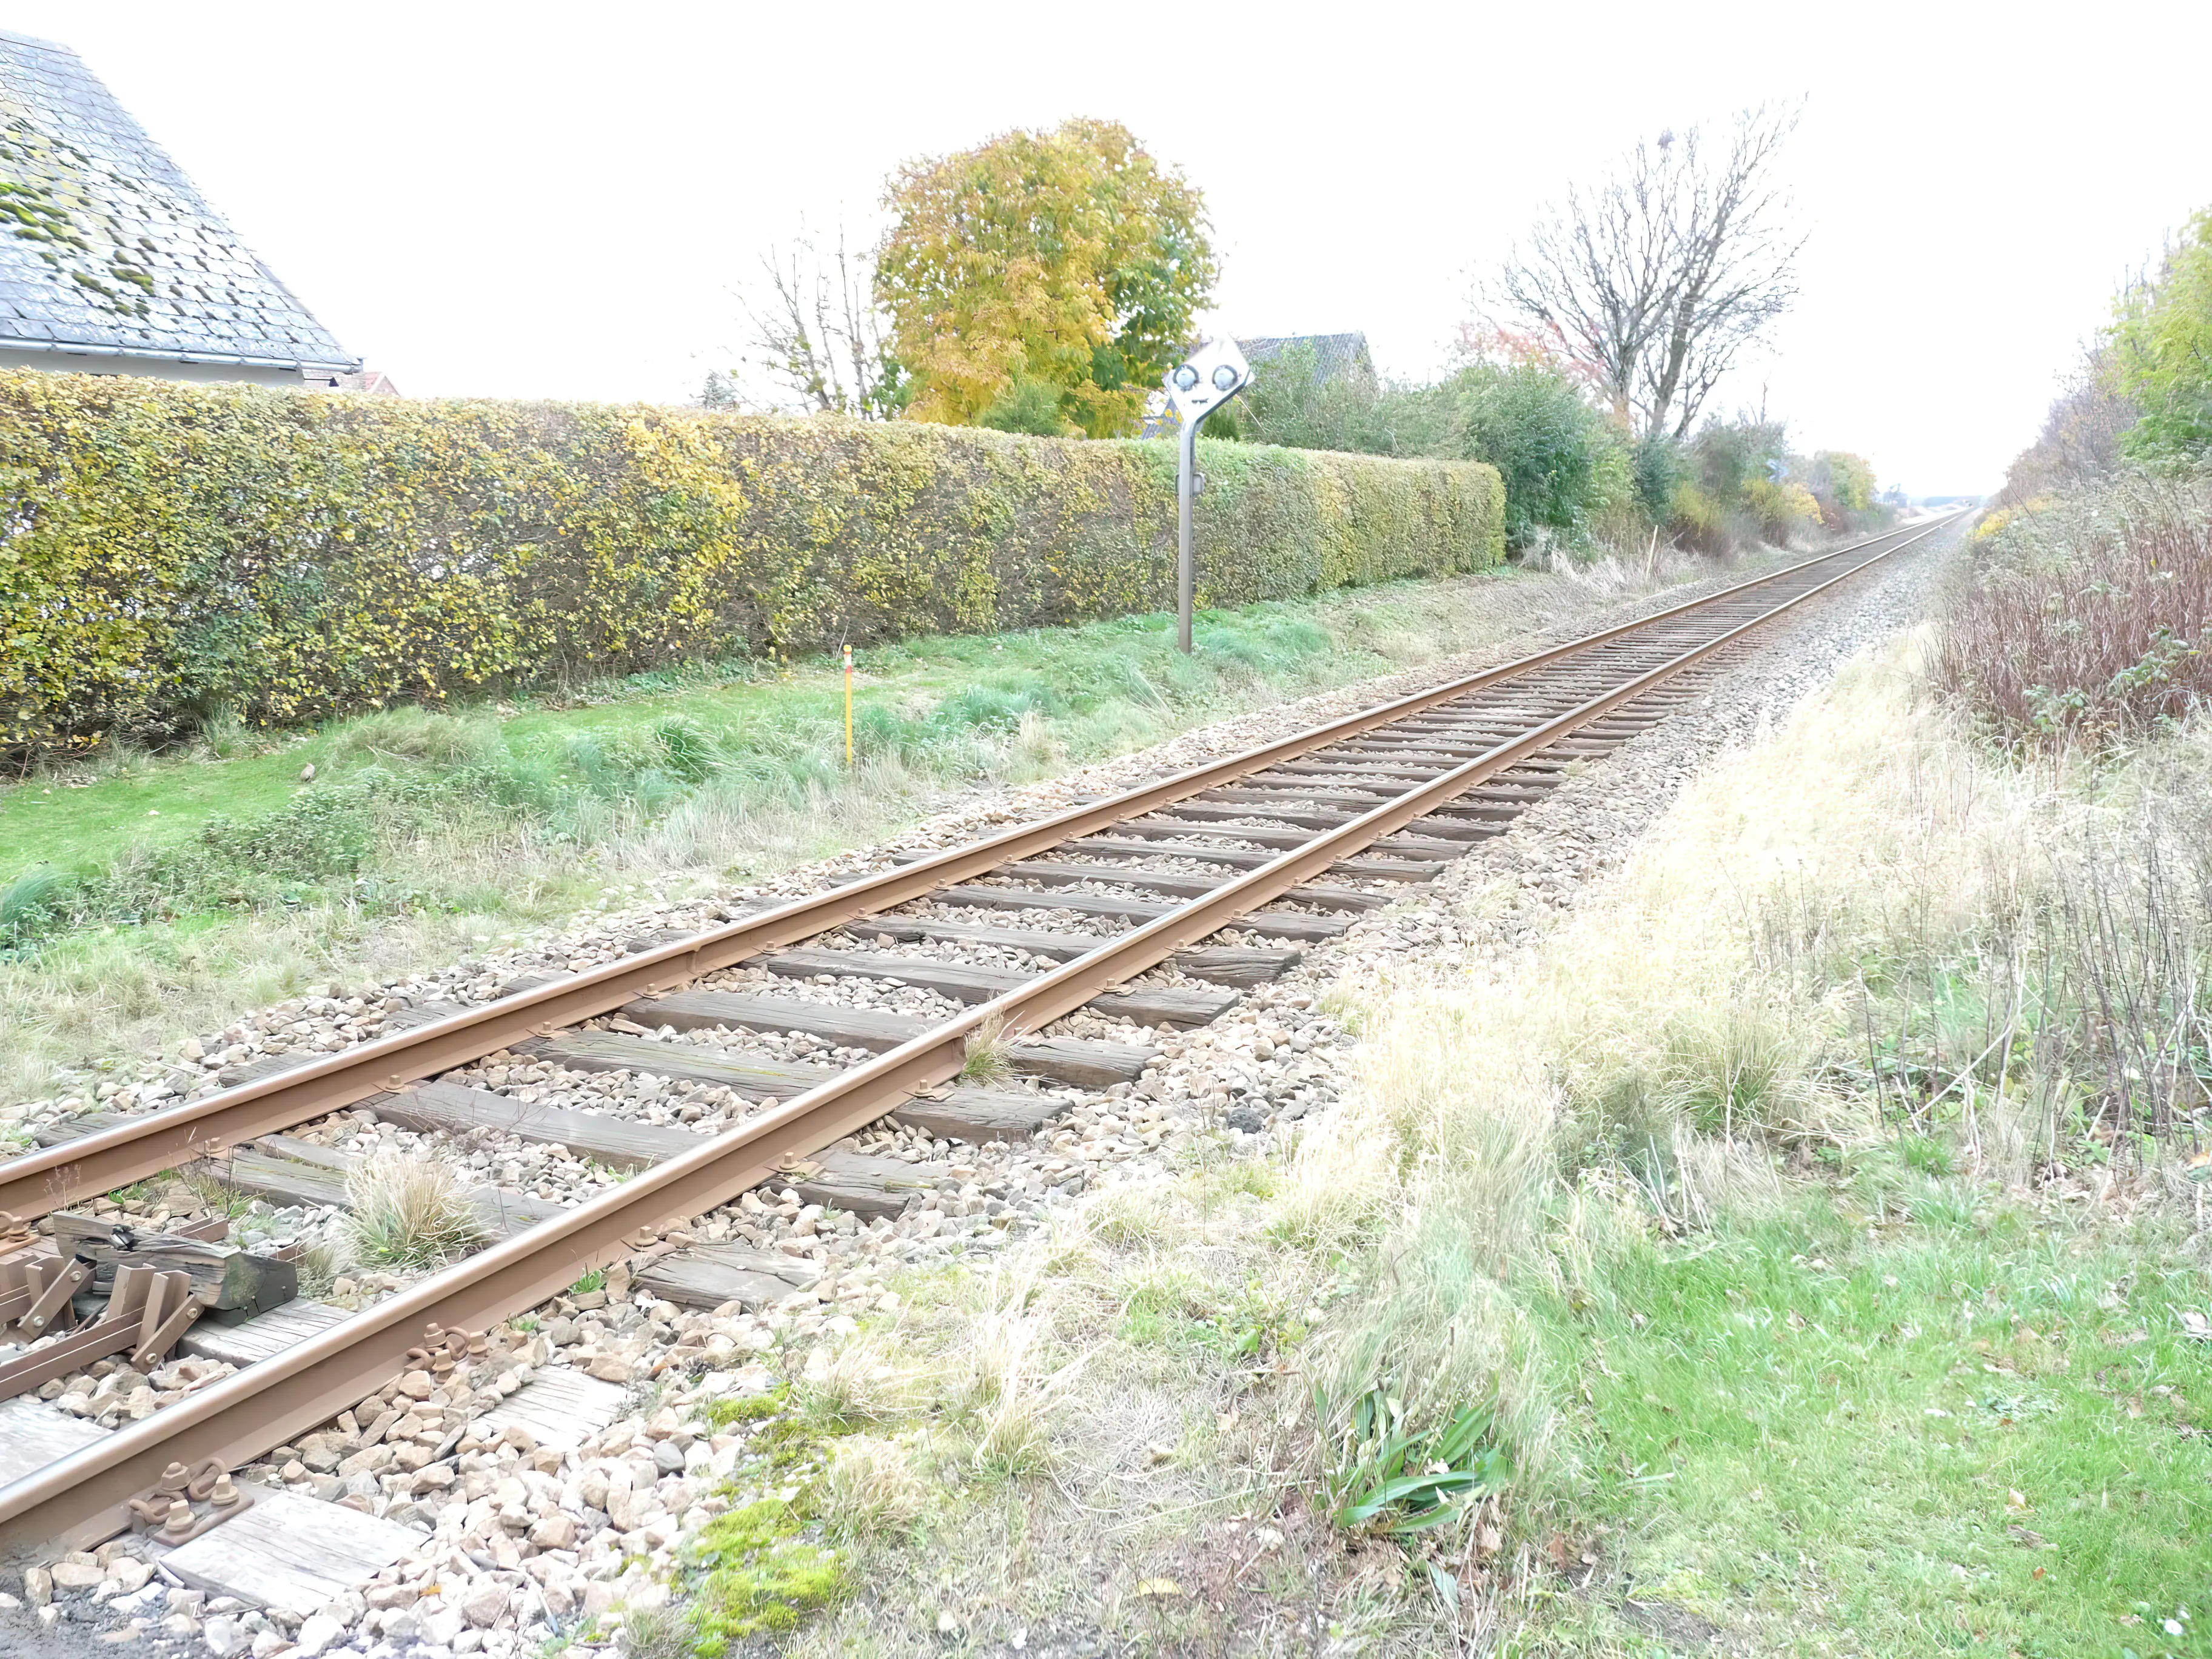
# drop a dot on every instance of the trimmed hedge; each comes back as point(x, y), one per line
point(170, 549)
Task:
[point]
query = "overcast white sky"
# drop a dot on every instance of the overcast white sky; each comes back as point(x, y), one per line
point(554, 200)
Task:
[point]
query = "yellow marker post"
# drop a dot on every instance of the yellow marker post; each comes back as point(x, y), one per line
point(848, 709)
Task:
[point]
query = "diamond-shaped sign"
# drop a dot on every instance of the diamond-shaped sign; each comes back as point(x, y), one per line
point(1207, 379)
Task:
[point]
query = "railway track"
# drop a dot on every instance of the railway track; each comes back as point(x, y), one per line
point(1218, 876)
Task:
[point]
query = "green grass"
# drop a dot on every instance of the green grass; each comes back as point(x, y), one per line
point(1101, 687)
point(1976, 1432)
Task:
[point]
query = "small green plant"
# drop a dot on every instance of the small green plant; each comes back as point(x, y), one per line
point(1930, 1156)
point(987, 1060)
point(760, 1575)
point(211, 1185)
point(409, 1213)
point(594, 1280)
point(1397, 1481)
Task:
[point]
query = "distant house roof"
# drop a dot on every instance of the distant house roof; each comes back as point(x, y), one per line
point(1334, 354)
point(104, 243)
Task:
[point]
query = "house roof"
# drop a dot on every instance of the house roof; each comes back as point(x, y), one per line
point(1334, 354)
point(104, 243)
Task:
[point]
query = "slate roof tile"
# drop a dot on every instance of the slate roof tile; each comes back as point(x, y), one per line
point(104, 242)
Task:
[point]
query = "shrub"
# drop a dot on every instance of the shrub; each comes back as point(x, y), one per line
point(2162, 351)
point(1562, 462)
point(2090, 620)
point(1781, 509)
point(176, 550)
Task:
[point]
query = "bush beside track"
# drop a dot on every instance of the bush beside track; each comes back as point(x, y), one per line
point(171, 550)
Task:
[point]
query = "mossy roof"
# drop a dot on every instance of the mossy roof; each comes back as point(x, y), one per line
point(104, 241)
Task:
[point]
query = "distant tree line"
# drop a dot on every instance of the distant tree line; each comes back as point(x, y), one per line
point(2141, 397)
point(1044, 282)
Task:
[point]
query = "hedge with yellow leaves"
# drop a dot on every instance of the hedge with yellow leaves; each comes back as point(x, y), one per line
point(171, 549)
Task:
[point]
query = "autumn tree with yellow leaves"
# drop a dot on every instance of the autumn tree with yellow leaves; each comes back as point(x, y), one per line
point(1043, 282)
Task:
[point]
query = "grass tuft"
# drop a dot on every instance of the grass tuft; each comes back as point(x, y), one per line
point(870, 1489)
point(409, 1212)
point(987, 1060)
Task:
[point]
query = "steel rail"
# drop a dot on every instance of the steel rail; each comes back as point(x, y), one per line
point(80, 1497)
point(52, 1178)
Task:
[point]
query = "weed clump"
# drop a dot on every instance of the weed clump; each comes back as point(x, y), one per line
point(2088, 620)
point(870, 1489)
point(409, 1213)
point(987, 1060)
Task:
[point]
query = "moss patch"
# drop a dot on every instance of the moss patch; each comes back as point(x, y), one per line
point(722, 1413)
point(760, 1575)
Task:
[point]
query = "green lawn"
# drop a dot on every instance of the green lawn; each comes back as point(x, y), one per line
point(1946, 1422)
point(933, 703)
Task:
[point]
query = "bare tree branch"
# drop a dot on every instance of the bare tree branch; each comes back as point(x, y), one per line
point(1658, 283)
point(816, 335)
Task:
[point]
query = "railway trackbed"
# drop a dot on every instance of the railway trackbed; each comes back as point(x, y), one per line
point(1145, 911)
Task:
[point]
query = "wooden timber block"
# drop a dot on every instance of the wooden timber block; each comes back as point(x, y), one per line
point(1090, 1062)
point(1368, 869)
point(638, 945)
point(1427, 848)
point(507, 1213)
point(1031, 898)
point(1234, 964)
point(980, 1115)
point(267, 1066)
point(868, 1187)
point(262, 1337)
point(965, 983)
point(609, 1051)
point(1053, 871)
point(225, 1279)
point(282, 1181)
point(961, 982)
point(1276, 924)
point(559, 1406)
point(707, 1275)
point(1108, 847)
point(848, 1028)
point(76, 1128)
point(1071, 1060)
point(288, 1171)
point(290, 1552)
point(1199, 834)
point(1329, 898)
point(421, 1014)
point(985, 1111)
point(33, 1434)
point(1037, 942)
point(454, 1108)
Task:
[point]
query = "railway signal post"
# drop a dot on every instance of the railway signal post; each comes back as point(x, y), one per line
point(1197, 386)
